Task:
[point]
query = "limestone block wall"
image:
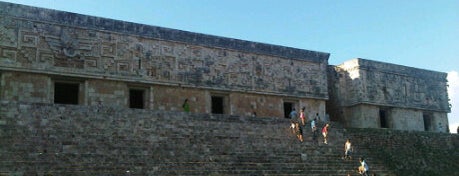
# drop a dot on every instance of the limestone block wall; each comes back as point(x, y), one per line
point(107, 58)
point(440, 122)
point(273, 105)
point(361, 116)
point(55, 42)
point(22, 87)
point(25, 87)
point(171, 99)
point(109, 93)
point(368, 116)
point(334, 106)
point(312, 107)
point(410, 152)
point(410, 98)
point(412, 119)
point(49, 139)
point(387, 84)
point(248, 104)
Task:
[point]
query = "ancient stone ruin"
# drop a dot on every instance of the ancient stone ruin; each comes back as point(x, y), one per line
point(78, 90)
point(50, 56)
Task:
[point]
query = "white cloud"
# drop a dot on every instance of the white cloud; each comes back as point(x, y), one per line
point(453, 93)
point(453, 127)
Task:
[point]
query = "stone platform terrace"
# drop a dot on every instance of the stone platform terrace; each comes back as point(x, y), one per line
point(45, 139)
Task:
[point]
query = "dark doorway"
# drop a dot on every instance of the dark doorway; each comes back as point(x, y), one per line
point(217, 105)
point(383, 118)
point(427, 121)
point(287, 109)
point(66, 93)
point(136, 98)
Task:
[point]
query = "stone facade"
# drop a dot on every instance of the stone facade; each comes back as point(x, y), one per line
point(110, 59)
point(373, 94)
point(49, 56)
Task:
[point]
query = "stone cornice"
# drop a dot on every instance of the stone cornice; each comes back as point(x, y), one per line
point(355, 103)
point(376, 66)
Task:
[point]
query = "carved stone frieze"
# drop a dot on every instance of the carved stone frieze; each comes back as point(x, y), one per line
point(43, 45)
point(8, 32)
point(392, 85)
point(27, 55)
point(91, 63)
point(161, 67)
point(8, 56)
point(45, 57)
point(28, 39)
point(69, 45)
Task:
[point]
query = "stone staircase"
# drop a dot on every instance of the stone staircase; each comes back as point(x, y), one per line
point(43, 139)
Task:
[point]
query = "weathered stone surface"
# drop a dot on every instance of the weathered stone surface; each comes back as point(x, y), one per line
point(371, 94)
point(387, 84)
point(409, 152)
point(104, 24)
point(40, 139)
point(69, 43)
point(110, 59)
point(48, 139)
point(107, 58)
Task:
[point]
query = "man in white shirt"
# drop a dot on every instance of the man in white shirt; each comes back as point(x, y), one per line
point(363, 168)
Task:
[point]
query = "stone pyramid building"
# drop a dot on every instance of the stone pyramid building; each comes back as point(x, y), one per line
point(49, 56)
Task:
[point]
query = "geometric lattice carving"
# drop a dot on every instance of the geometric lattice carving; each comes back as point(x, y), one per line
point(70, 45)
point(27, 55)
point(161, 67)
point(45, 57)
point(28, 39)
point(8, 36)
point(122, 66)
point(7, 55)
point(90, 62)
point(108, 49)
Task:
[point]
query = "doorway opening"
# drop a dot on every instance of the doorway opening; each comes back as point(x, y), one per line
point(66, 93)
point(288, 107)
point(427, 117)
point(136, 98)
point(383, 119)
point(217, 104)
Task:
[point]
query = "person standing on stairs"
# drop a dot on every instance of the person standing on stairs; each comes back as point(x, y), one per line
point(325, 133)
point(186, 106)
point(314, 130)
point(299, 131)
point(293, 126)
point(293, 114)
point(293, 117)
point(317, 116)
point(347, 149)
point(302, 116)
point(313, 125)
point(363, 168)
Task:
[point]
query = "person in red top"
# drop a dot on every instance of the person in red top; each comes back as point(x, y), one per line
point(325, 132)
point(302, 116)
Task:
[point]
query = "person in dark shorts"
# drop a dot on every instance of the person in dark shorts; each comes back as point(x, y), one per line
point(299, 131)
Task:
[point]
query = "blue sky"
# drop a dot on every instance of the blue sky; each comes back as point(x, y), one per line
point(416, 33)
